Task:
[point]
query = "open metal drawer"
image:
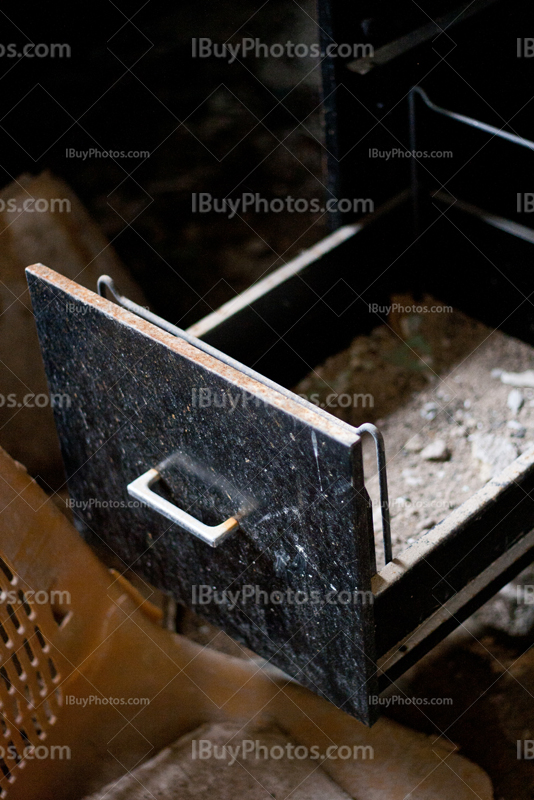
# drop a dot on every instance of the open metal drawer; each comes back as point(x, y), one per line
point(277, 481)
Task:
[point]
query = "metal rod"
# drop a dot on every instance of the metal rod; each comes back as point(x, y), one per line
point(367, 427)
point(414, 166)
point(474, 123)
point(501, 223)
point(431, 30)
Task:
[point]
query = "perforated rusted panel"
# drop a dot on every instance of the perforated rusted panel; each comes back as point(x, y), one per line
point(30, 693)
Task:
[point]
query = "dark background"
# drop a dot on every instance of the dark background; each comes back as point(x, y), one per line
point(210, 126)
point(251, 126)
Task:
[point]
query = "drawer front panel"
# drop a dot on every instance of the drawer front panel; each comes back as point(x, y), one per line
point(292, 581)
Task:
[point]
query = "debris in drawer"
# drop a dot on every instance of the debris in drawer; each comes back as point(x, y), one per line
point(440, 386)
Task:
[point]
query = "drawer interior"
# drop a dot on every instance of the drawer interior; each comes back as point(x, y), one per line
point(313, 307)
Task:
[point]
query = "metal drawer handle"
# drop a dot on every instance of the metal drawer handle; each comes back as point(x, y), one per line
point(211, 534)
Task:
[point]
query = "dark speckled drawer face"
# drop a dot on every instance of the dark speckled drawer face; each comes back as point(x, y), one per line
point(293, 580)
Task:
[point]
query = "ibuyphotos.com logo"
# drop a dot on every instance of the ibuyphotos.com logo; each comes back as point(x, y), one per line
point(254, 203)
point(202, 595)
point(205, 749)
point(205, 47)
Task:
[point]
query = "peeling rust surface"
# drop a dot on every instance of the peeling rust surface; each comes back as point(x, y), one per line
point(294, 479)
